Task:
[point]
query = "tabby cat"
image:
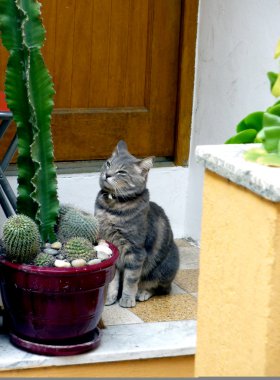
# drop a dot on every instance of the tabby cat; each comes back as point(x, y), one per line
point(140, 229)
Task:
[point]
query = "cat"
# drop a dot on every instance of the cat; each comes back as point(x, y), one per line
point(149, 257)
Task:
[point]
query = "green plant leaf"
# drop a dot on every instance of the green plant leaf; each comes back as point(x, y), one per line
point(272, 78)
point(260, 137)
point(276, 87)
point(271, 159)
point(275, 110)
point(275, 104)
point(277, 50)
point(270, 120)
point(252, 121)
point(254, 153)
point(243, 137)
point(260, 156)
point(272, 138)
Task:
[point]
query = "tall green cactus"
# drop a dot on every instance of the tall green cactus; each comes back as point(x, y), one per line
point(29, 92)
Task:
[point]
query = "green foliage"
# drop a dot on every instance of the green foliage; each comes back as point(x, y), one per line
point(29, 94)
point(261, 156)
point(79, 248)
point(243, 137)
point(262, 127)
point(272, 77)
point(44, 260)
point(269, 135)
point(21, 239)
point(77, 223)
point(252, 121)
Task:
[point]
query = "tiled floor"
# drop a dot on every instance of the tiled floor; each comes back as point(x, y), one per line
point(179, 305)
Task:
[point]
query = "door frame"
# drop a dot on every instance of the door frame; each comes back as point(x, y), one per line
point(185, 81)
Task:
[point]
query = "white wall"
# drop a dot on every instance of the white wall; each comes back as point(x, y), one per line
point(235, 49)
point(168, 187)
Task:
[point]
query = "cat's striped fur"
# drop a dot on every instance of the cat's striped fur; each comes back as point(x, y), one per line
point(139, 228)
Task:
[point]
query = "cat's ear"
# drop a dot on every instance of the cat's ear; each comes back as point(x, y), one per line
point(146, 164)
point(121, 146)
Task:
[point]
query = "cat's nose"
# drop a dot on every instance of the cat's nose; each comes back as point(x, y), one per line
point(108, 175)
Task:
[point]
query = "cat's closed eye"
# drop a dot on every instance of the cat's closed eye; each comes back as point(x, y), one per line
point(122, 172)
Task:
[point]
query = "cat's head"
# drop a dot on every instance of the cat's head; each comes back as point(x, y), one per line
point(123, 175)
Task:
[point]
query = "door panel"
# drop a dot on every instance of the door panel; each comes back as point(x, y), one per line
point(115, 69)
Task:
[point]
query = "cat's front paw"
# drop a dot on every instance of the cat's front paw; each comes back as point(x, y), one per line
point(144, 295)
point(127, 301)
point(111, 298)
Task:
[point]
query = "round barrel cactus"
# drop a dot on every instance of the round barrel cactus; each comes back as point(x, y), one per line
point(44, 260)
point(78, 248)
point(64, 208)
point(77, 223)
point(21, 239)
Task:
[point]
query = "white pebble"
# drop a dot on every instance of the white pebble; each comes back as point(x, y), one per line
point(104, 249)
point(56, 245)
point(62, 264)
point(103, 255)
point(103, 242)
point(78, 263)
point(94, 261)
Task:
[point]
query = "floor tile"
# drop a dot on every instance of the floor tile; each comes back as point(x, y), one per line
point(181, 242)
point(117, 315)
point(189, 254)
point(187, 279)
point(188, 260)
point(175, 289)
point(167, 308)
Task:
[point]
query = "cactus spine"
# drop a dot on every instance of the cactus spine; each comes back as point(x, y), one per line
point(21, 239)
point(78, 248)
point(78, 223)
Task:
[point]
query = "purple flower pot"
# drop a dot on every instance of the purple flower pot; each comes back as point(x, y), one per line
point(55, 311)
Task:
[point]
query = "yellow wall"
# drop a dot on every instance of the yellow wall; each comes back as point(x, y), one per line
point(180, 366)
point(239, 285)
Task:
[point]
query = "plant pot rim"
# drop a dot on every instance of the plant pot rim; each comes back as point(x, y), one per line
point(64, 271)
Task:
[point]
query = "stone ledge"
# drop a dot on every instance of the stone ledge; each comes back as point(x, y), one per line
point(118, 343)
point(227, 161)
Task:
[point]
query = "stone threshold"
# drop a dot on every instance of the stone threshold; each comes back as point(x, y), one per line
point(118, 343)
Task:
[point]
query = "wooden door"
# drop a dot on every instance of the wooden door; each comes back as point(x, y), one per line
point(115, 68)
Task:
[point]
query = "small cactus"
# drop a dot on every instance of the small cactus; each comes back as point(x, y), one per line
point(79, 248)
point(21, 239)
point(44, 260)
point(77, 223)
point(64, 208)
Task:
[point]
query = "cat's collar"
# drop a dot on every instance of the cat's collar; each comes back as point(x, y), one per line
point(119, 198)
